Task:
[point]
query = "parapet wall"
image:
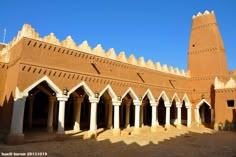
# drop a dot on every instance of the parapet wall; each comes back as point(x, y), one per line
point(29, 32)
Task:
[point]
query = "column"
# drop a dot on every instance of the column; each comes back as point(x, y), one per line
point(122, 114)
point(30, 111)
point(109, 124)
point(189, 116)
point(78, 101)
point(178, 105)
point(167, 105)
point(197, 116)
point(16, 135)
point(93, 117)
point(141, 114)
point(50, 113)
point(127, 116)
point(116, 130)
point(61, 116)
point(137, 105)
point(154, 116)
point(202, 111)
point(157, 122)
point(55, 116)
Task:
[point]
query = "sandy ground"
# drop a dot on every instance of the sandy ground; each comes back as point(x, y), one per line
point(185, 142)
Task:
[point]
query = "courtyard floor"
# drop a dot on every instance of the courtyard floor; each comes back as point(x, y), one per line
point(185, 142)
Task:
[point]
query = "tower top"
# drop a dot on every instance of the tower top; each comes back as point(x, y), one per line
point(206, 53)
point(202, 14)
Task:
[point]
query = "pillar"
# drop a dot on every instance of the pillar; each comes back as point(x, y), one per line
point(61, 115)
point(30, 111)
point(50, 113)
point(154, 116)
point(137, 105)
point(122, 114)
point(116, 130)
point(178, 105)
point(77, 102)
point(202, 112)
point(16, 135)
point(167, 105)
point(127, 116)
point(141, 114)
point(93, 117)
point(157, 121)
point(109, 124)
point(197, 115)
point(189, 116)
point(55, 116)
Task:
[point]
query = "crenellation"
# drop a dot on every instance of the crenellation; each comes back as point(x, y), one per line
point(121, 57)
point(69, 43)
point(177, 71)
point(141, 62)
point(29, 32)
point(171, 70)
point(132, 60)
point(98, 50)
point(111, 54)
point(231, 83)
point(51, 39)
point(150, 64)
point(182, 72)
point(165, 68)
point(84, 47)
point(158, 66)
point(202, 14)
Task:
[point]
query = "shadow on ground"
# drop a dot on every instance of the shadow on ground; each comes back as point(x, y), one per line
point(187, 144)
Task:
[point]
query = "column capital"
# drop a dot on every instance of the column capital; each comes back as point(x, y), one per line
point(20, 98)
point(137, 102)
point(62, 98)
point(167, 104)
point(116, 103)
point(93, 100)
point(178, 104)
point(153, 103)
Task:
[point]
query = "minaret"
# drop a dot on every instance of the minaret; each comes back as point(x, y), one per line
point(206, 54)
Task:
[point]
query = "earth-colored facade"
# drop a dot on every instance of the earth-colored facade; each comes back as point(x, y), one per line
point(57, 86)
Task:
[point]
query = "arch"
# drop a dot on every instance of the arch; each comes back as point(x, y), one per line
point(52, 85)
point(132, 94)
point(204, 113)
point(110, 92)
point(164, 96)
point(186, 100)
point(175, 97)
point(202, 102)
point(149, 95)
point(86, 88)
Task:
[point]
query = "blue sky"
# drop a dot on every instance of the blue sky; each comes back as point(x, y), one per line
point(157, 30)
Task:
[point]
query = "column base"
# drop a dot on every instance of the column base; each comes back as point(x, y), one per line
point(92, 134)
point(110, 127)
point(137, 131)
point(167, 126)
point(153, 128)
point(127, 125)
point(116, 132)
point(50, 129)
point(15, 139)
point(76, 128)
point(178, 126)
